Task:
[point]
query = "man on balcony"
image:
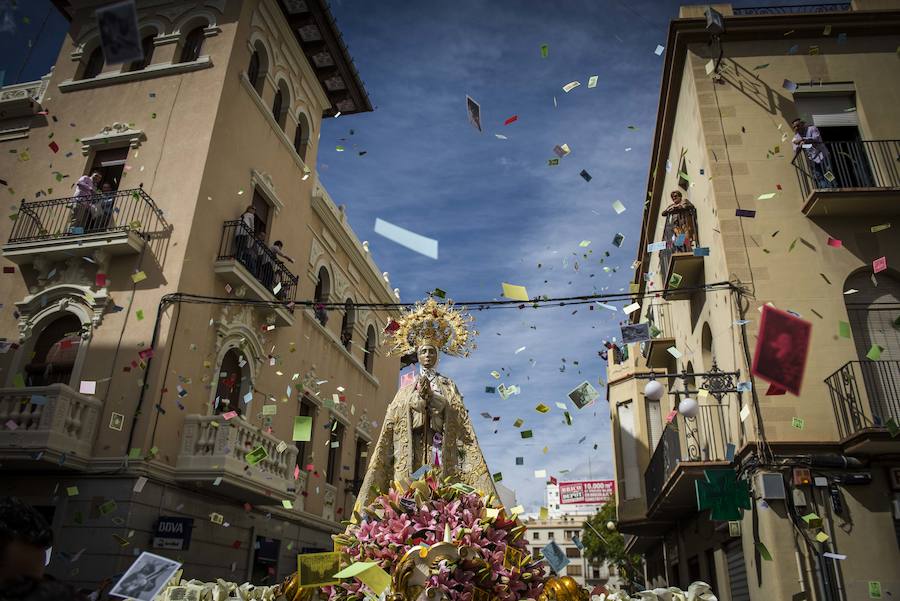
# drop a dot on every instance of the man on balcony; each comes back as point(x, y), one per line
point(809, 139)
point(680, 225)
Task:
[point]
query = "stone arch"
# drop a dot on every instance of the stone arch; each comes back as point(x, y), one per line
point(237, 336)
point(41, 310)
point(195, 18)
point(145, 25)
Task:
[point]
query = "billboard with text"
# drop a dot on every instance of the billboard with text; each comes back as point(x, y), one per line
point(586, 492)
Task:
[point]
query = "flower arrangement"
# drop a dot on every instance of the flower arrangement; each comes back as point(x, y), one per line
point(429, 513)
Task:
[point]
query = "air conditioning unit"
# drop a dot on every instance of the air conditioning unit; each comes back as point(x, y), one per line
point(769, 485)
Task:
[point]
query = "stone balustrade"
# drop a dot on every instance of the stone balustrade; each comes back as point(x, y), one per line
point(52, 420)
point(213, 447)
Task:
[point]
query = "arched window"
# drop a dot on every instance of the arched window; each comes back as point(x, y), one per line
point(706, 344)
point(323, 289)
point(54, 352)
point(301, 135)
point(281, 103)
point(94, 64)
point(347, 323)
point(147, 46)
point(369, 360)
point(234, 383)
point(690, 382)
point(193, 44)
point(277, 104)
point(258, 67)
point(253, 70)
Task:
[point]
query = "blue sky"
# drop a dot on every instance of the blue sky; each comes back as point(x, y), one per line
point(499, 212)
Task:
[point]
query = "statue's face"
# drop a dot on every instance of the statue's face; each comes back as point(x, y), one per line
point(428, 356)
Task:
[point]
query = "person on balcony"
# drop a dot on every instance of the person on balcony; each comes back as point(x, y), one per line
point(277, 249)
point(808, 138)
point(104, 207)
point(242, 240)
point(681, 222)
point(85, 198)
point(263, 268)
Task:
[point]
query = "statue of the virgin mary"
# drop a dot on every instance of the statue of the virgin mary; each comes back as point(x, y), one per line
point(427, 424)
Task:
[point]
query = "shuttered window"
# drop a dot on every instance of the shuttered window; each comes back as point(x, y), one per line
point(628, 444)
point(654, 424)
point(827, 109)
point(737, 571)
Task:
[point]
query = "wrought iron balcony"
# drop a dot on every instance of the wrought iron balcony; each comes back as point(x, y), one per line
point(663, 462)
point(856, 178)
point(119, 222)
point(797, 9)
point(865, 395)
point(213, 454)
point(53, 423)
point(245, 261)
point(699, 439)
point(681, 270)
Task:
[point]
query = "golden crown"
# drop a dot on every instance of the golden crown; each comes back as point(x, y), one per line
point(441, 325)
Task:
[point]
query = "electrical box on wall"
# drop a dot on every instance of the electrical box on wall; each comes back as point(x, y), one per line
point(802, 477)
point(769, 485)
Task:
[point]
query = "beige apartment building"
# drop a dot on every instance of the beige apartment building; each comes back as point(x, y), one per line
point(822, 467)
point(154, 359)
point(563, 530)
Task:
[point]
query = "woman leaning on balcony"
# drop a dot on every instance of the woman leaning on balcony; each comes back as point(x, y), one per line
point(85, 195)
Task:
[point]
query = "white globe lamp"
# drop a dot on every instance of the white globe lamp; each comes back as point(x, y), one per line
point(688, 407)
point(653, 391)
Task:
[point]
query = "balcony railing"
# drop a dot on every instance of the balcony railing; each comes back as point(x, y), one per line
point(700, 438)
point(663, 462)
point(240, 244)
point(830, 7)
point(214, 447)
point(848, 165)
point(120, 211)
point(865, 394)
point(50, 419)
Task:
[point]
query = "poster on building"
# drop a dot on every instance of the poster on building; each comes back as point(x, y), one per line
point(586, 492)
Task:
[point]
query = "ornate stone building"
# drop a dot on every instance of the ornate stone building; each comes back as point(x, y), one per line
point(150, 340)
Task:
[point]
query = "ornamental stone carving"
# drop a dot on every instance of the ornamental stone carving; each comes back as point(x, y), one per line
point(88, 305)
point(114, 134)
point(315, 251)
point(341, 286)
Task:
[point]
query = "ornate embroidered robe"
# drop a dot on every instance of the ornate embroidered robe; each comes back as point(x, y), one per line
point(405, 443)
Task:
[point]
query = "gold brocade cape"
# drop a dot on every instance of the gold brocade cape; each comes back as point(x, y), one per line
point(461, 457)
